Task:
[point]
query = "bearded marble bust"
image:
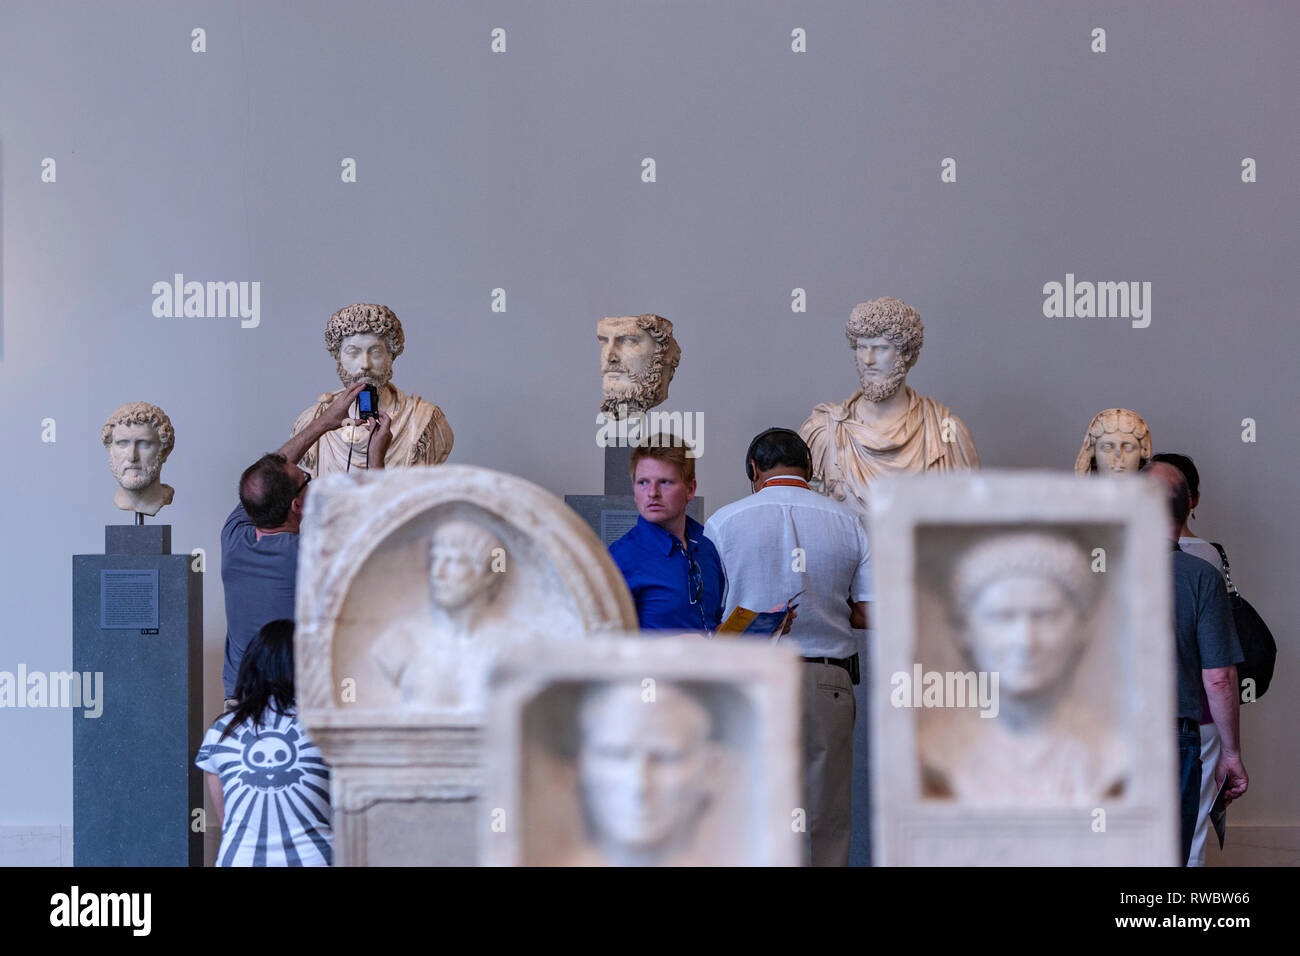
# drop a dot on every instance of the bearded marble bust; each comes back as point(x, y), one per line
point(139, 438)
point(638, 356)
point(365, 340)
point(1117, 442)
point(884, 427)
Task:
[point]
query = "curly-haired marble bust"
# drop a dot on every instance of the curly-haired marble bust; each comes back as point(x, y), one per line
point(360, 319)
point(884, 427)
point(139, 438)
point(365, 339)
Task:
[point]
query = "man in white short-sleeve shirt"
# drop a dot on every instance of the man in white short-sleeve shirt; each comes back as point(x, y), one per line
point(784, 539)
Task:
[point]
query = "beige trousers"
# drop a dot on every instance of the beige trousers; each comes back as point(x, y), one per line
point(829, 710)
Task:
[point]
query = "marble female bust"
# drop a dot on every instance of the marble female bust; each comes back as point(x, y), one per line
point(1117, 442)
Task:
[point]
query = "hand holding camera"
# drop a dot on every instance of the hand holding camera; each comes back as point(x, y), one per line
point(337, 411)
point(381, 435)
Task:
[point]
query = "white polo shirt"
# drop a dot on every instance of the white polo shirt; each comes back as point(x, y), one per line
point(786, 539)
point(1200, 548)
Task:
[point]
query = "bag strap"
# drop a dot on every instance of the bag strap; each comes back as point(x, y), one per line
point(1227, 569)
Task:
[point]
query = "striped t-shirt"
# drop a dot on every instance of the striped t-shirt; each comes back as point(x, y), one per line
point(276, 788)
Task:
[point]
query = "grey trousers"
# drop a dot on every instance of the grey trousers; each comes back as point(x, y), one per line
point(829, 709)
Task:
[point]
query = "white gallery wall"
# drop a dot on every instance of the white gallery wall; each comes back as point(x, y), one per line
point(1167, 158)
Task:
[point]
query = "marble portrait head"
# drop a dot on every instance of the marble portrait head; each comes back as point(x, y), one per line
point(1117, 442)
point(364, 339)
point(1020, 601)
point(139, 438)
point(461, 574)
point(886, 336)
point(646, 769)
point(638, 356)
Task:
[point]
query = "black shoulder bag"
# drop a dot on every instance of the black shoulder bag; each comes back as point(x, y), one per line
point(1257, 644)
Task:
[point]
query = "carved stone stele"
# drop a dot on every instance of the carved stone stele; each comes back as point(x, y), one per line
point(665, 752)
point(1021, 679)
point(409, 582)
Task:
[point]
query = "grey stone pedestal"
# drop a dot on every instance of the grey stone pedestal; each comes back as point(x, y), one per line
point(137, 615)
point(613, 514)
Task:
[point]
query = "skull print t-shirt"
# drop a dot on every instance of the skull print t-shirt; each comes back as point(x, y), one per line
point(275, 785)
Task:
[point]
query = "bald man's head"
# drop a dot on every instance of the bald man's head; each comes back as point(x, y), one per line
point(1175, 485)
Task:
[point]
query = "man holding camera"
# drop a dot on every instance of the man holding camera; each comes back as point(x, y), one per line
point(259, 543)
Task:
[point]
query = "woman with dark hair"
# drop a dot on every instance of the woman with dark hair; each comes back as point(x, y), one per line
point(269, 783)
point(1211, 745)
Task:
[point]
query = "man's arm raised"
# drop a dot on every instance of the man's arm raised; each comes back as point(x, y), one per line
point(326, 421)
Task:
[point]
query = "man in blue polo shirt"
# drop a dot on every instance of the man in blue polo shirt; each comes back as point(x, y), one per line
point(672, 570)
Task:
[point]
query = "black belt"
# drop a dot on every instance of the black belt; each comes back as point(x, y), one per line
point(850, 664)
point(1186, 726)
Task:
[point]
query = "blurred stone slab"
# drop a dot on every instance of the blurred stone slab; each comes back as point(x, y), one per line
point(1022, 681)
point(667, 752)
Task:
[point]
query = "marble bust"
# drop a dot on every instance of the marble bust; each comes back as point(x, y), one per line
point(638, 356)
point(1021, 604)
point(885, 427)
point(646, 773)
point(365, 340)
point(1117, 442)
point(443, 667)
point(139, 438)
